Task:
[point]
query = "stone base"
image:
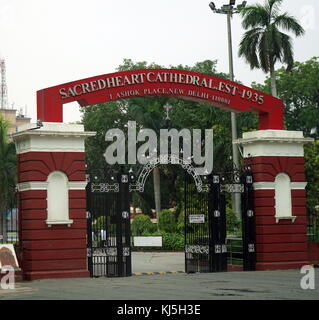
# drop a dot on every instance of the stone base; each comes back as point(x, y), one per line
point(38, 275)
point(264, 266)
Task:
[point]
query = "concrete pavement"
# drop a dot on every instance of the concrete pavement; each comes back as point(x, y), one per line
point(265, 285)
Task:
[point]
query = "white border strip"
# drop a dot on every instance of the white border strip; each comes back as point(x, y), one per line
point(43, 185)
point(271, 185)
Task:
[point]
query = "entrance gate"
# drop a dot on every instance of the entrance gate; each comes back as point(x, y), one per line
point(108, 218)
point(205, 222)
point(109, 235)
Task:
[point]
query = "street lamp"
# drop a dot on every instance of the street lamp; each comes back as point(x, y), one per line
point(229, 10)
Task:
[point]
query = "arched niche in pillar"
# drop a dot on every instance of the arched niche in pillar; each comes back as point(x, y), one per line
point(58, 199)
point(283, 200)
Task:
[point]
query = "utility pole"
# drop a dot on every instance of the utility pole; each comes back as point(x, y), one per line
point(229, 10)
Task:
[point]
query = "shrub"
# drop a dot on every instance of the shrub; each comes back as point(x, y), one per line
point(173, 241)
point(142, 224)
point(167, 221)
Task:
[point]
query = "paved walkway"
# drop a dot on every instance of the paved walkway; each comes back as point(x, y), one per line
point(265, 285)
point(158, 261)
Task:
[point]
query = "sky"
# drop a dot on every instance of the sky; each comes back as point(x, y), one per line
point(51, 42)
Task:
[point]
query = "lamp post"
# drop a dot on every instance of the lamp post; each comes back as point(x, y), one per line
point(229, 10)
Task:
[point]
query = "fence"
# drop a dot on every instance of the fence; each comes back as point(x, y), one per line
point(234, 251)
point(313, 226)
point(9, 222)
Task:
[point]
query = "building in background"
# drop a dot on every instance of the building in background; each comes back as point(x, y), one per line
point(15, 119)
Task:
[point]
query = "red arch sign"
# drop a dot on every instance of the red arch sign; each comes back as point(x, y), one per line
point(187, 85)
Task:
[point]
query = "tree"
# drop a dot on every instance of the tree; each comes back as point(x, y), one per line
point(299, 89)
point(264, 44)
point(7, 173)
point(312, 174)
point(148, 112)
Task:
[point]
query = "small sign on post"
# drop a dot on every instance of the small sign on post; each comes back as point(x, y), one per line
point(197, 218)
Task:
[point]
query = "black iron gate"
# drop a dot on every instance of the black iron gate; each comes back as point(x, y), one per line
point(108, 213)
point(205, 222)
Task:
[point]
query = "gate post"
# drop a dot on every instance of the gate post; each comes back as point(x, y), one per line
point(276, 159)
point(217, 225)
point(52, 209)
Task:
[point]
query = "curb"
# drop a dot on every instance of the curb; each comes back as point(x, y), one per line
point(155, 273)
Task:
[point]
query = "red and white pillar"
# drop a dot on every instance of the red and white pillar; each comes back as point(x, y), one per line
point(276, 158)
point(52, 205)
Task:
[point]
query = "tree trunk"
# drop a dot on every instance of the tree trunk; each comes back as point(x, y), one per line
point(157, 192)
point(273, 82)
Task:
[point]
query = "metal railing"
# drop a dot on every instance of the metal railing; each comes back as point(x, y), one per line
point(313, 226)
point(9, 223)
point(234, 251)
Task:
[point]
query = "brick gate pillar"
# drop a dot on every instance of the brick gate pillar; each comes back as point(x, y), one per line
point(276, 158)
point(52, 205)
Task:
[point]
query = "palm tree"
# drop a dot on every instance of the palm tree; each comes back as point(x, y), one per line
point(7, 173)
point(264, 44)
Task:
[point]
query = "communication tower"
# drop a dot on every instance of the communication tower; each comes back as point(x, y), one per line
point(3, 86)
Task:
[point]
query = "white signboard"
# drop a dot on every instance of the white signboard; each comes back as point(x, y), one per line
point(147, 241)
point(196, 218)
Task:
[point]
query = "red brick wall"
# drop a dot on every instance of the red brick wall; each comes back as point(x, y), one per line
point(59, 250)
point(281, 245)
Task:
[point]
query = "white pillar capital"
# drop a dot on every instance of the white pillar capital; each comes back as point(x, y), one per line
point(51, 137)
point(278, 143)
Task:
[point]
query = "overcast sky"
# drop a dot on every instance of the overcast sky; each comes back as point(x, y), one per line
point(50, 42)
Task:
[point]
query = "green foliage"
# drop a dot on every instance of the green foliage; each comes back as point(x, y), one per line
point(173, 241)
point(232, 222)
point(167, 222)
point(264, 44)
point(142, 225)
point(8, 162)
point(149, 113)
point(299, 89)
point(312, 174)
point(181, 221)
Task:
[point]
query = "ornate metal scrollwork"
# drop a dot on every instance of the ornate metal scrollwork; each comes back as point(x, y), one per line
point(232, 188)
point(126, 251)
point(111, 251)
point(105, 187)
point(197, 249)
